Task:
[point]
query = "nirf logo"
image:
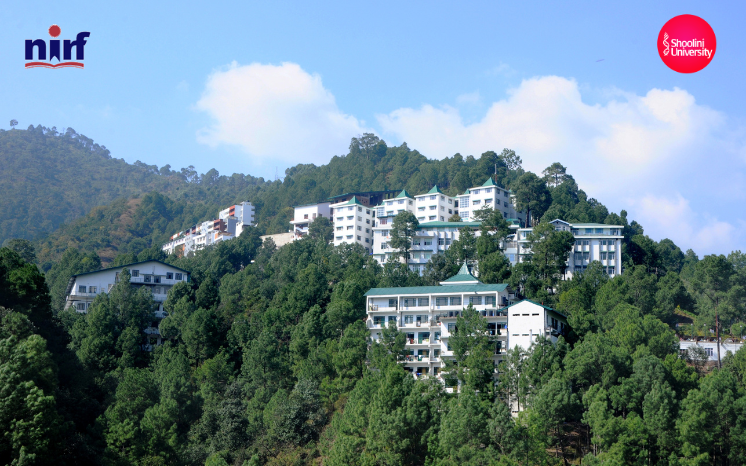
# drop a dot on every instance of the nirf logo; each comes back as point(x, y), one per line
point(64, 52)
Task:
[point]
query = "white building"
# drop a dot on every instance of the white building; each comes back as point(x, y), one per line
point(711, 348)
point(528, 320)
point(430, 238)
point(353, 223)
point(158, 277)
point(434, 206)
point(389, 208)
point(593, 242)
point(303, 215)
point(427, 315)
point(487, 195)
point(229, 224)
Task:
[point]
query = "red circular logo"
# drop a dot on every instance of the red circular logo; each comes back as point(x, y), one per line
point(54, 30)
point(686, 43)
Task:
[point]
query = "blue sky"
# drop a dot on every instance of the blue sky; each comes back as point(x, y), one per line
point(258, 87)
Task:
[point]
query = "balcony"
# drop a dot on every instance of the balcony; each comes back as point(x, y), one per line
point(152, 331)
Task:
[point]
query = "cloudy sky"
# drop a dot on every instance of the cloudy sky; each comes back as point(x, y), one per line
point(258, 87)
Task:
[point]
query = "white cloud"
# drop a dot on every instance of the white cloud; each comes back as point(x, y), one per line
point(674, 218)
point(471, 98)
point(621, 151)
point(275, 112)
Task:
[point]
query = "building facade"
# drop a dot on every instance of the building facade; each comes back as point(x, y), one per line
point(353, 223)
point(158, 277)
point(488, 195)
point(229, 224)
point(427, 316)
point(305, 214)
point(434, 206)
point(593, 242)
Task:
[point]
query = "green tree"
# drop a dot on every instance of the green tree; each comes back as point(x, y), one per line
point(321, 228)
point(402, 230)
point(473, 348)
point(23, 248)
point(555, 174)
point(532, 196)
point(549, 252)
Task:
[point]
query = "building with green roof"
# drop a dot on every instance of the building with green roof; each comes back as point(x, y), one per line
point(489, 194)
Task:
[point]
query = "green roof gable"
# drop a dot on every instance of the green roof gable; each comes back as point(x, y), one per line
point(489, 182)
point(353, 201)
point(404, 193)
point(463, 276)
point(435, 190)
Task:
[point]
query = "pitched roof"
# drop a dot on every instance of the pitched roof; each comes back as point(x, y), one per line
point(463, 276)
point(448, 289)
point(129, 265)
point(352, 201)
point(404, 193)
point(466, 192)
point(489, 182)
point(435, 190)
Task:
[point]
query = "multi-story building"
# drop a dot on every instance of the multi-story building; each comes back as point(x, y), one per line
point(434, 206)
point(427, 316)
point(430, 238)
point(303, 215)
point(593, 242)
point(366, 198)
point(229, 224)
point(353, 223)
point(158, 277)
point(488, 195)
point(390, 208)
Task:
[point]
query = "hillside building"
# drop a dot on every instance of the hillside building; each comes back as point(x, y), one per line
point(488, 195)
point(434, 206)
point(593, 242)
point(353, 223)
point(427, 315)
point(303, 215)
point(158, 277)
point(229, 224)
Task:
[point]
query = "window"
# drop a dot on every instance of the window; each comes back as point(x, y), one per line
point(465, 214)
point(339, 219)
point(456, 301)
point(367, 240)
point(350, 217)
point(170, 275)
point(451, 328)
point(708, 351)
point(488, 190)
point(437, 336)
point(389, 213)
point(408, 319)
point(360, 219)
point(367, 230)
point(349, 236)
point(423, 301)
point(358, 237)
point(384, 221)
point(589, 231)
point(178, 276)
point(421, 208)
point(392, 302)
point(441, 241)
point(339, 238)
point(488, 201)
point(359, 228)
point(305, 216)
point(432, 198)
point(339, 228)
point(91, 289)
point(389, 202)
point(433, 207)
point(489, 301)
point(379, 320)
point(420, 219)
point(156, 290)
point(367, 212)
point(450, 211)
point(475, 191)
point(81, 289)
point(392, 319)
point(135, 273)
point(475, 300)
point(157, 278)
point(410, 302)
point(599, 231)
point(359, 209)
point(432, 217)
point(367, 220)
point(80, 306)
point(147, 279)
point(441, 301)
point(603, 256)
point(450, 201)
point(448, 241)
point(415, 242)
point(428, 242)
point(476, 202)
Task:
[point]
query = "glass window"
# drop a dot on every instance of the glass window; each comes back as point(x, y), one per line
point(451, 327)
point(81, 306)
point(408, 319)
point(170, 275)
point(378, 320)
point(135, 273)
point(81, 289)
point(147, 279)
point(456, 301)
point(424, 301)
point(157, 278)
point(476, 300)
point(392, 302)
point(489, 301)
point(441, 301)
point(91, 289)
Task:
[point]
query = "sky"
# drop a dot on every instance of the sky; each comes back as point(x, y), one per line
point(257, 87)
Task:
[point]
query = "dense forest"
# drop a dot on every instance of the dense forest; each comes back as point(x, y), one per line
point(268, 360)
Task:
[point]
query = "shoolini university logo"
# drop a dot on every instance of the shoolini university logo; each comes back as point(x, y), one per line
point(686, 43)
point(62, 52)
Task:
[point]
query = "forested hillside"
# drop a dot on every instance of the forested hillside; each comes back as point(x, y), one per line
point(268, 361)
point(49, 178)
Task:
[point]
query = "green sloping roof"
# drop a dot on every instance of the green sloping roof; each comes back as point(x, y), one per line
point(353, 201)
point(540, 305)
point(463, 275)
point(449, 289)
point(466, 192)
point(435, 190)
point(447, 225)
point(404, 193)
point(595, 225)
point(489, 182)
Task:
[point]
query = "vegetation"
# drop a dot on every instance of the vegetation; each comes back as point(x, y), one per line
point(268, 360)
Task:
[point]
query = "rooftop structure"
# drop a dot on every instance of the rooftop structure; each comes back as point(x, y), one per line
point(229, 224)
